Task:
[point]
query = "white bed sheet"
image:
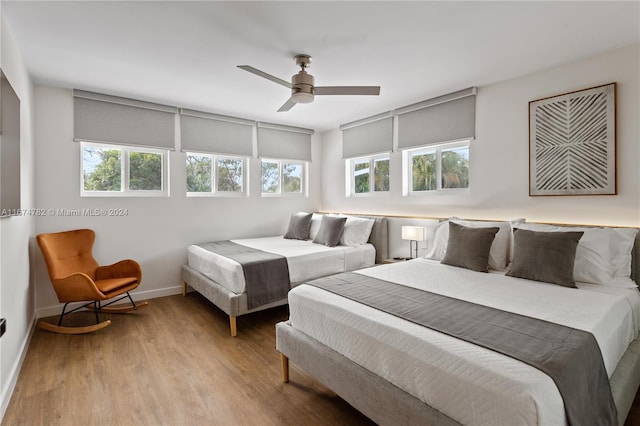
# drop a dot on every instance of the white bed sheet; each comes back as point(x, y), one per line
point(306, 260)
point(471, 384)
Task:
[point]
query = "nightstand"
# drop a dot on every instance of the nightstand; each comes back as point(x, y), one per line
point(394, 260)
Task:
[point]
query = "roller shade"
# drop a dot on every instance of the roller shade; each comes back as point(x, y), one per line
point(115, 120)
point(446, 118)
point(284, 142)
point(373, 135)
point(216, 134)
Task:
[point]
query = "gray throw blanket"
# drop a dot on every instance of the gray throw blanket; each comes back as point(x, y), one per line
point(266, 274)
point(571, 357)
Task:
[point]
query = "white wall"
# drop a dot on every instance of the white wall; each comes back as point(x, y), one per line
point(156, 231)
point(16, 233)
point(499, 155)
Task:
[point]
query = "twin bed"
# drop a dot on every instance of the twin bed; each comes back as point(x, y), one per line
point(397, 371)
point(221, 279)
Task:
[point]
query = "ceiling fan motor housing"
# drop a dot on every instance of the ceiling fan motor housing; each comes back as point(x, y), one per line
point(302, 90)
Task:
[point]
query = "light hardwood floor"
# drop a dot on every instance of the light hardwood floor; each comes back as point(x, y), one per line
point(173, 363)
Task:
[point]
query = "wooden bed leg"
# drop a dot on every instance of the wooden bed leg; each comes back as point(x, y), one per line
point(184, 288)
point(232, 324)
point(285, 368)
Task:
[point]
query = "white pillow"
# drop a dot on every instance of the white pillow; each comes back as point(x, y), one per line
point(440, 240)
point(594, 260)
point(622, 241)
point(316, 220)
point(356, 231)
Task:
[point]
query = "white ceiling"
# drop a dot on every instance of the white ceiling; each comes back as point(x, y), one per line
point(185, 53)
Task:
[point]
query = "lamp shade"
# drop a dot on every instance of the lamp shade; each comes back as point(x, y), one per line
point(413, 233)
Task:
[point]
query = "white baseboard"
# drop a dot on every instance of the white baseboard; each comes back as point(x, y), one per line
point(49, 311)
point(10, 385)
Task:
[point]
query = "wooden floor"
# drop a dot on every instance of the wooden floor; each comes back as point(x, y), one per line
point(173, 363)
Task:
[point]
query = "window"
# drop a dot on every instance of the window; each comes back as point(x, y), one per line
point(369, 175)
point(122, 171)
point(283, 177)
point(209, 174)
point(437, 168)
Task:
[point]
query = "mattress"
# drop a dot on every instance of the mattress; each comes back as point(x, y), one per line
point(470, 384)
point(306, 260)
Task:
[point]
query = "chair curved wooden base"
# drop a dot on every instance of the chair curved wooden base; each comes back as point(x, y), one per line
point(73, 330)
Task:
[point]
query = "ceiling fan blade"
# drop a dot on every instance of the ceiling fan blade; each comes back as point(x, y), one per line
point(287, 105)
point(265, 75)
point(347, 90)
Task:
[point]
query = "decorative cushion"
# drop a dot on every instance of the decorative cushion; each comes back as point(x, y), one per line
point(469, 247)
point(299, 226)
point(330, 230)
point(545, 256)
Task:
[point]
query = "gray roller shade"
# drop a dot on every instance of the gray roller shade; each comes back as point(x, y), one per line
point(284, 142)
point(216, 134)
point(446, 118)
point(115, 120)
point(373, 135)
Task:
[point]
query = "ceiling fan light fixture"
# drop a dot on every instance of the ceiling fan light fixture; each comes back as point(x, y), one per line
point(302, 97)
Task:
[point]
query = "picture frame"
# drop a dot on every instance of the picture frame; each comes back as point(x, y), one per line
point(572, 143)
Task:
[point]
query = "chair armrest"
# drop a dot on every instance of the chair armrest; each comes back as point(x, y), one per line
point(76, 287)
point(123, 269)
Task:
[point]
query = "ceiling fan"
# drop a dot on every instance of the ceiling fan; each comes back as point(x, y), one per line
point(302, 85)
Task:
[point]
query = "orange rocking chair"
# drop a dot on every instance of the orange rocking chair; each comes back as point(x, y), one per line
point(77, 277)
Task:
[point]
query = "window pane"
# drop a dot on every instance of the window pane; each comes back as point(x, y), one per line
point(291, 177)
point(381, 175)
point(198, 173)
point(455, 168)
point(145, 171)
point(423, 171)
point(270, 177)
point(361, 177)
point(101, 169)
point(230, 174)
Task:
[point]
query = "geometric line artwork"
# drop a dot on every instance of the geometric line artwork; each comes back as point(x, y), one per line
point(572, 143)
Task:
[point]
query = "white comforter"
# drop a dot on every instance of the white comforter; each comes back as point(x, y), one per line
point(471, 384)
point(306, 260)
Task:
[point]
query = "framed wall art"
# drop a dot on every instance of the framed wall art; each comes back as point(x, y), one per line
point(572, 143)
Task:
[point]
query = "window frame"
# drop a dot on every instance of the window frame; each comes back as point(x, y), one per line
point(281, 162)
point(214, 175)
point(351, 173)
point(407, 164)
point(125, 151)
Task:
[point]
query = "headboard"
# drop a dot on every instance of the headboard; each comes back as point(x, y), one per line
point(635, 260)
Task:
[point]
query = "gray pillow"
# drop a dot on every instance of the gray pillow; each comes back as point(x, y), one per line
point(469, 247)
point(545, 256)
point(299, 226)
point(330, 230)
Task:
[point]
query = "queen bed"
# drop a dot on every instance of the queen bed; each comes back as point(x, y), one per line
point(399, 372)
point(222, 279)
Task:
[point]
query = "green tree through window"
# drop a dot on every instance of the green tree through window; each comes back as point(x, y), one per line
point(424, 172)
point(230, 175)
point(291, 177)
point(440, 168)
point(270, 177)
point(198, 173)
point(102, 169)
point(145, 171)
